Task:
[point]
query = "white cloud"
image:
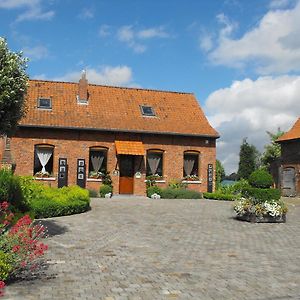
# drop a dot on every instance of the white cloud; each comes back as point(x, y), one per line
point(135, 39)
point(273, 46)
point(249, 108)
point(86, 13)
point(206, 42)
point(279, 3)
point(104, 30)
point(155, 32)
point(106, 75)
point(33, 9)
point(36, 53)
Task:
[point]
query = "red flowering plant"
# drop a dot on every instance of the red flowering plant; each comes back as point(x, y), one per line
point(19, 243)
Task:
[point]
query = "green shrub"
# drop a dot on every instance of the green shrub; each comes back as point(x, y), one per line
point(220, 196)
point(235, 188)
point(5, 265)
point(10, 190)
point(93, 193)
point(105, 189)
point(55, 202)
point(170, 193)
point(106, 179)
point(153, 190)
point(260, 179)
point(261, 195)
point(177, 184)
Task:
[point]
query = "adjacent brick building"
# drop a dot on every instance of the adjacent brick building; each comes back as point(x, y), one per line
point(290, 161)
point(76, 132)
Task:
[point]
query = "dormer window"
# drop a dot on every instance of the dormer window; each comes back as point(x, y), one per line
point(44, 103)
point(147, 111)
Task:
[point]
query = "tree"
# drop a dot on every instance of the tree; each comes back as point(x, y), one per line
point(13, 84)
point(273, 150)
point(248, 160)
point(220, 173)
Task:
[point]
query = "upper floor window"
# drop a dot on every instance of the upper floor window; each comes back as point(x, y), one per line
point(97, 162)
point(44, 103)
point(191, 165)
point(154, 163)
point(147, 110)
point(43, 160)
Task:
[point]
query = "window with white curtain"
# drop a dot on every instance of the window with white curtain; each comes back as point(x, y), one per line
point(43, 159)
point(191, 164)
point(154, 164)
point(97, 162)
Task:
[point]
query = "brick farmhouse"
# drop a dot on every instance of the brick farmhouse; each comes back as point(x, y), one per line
point(290, 161)
point(73, 133)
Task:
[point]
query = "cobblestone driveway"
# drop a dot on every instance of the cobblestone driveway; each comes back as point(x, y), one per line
point(166, 249)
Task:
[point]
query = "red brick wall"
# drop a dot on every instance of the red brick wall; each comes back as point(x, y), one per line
point(73, 144)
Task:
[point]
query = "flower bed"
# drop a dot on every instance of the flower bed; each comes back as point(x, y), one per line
point(19, 243)
point(253, 210)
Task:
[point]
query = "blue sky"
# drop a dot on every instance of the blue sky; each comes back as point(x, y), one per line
point(241, 58)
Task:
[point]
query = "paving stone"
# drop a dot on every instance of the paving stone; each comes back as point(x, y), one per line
point(133, 249)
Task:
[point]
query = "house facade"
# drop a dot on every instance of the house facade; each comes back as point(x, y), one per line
point(290, 161)
point(74, 133)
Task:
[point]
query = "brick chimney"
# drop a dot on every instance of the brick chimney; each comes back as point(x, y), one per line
point(83, 88)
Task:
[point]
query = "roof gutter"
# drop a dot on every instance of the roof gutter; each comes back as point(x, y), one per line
point(119, 130)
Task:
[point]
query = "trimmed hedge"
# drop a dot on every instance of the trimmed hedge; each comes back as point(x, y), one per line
point(219, 196)
point(171, 193)
point(261, 195)
point(53, 202)
point(260, 179)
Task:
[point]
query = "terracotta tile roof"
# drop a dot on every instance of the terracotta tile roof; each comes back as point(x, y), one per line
point(293, 133)
point(130, 147)
point(116, 108)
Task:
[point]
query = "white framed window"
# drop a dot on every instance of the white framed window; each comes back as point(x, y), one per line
point(97, 162)
point(191, 165)
point(43, 160)
point(154, 164)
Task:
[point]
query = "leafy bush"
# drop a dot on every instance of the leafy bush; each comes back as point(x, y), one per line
point(177, 184)
point(261, 195)
point(235, 188)
point(54, 202)
point(5, 265)
point(153, 190)
point(219, 196)
point(169, 193)
point(105, 189)
point(106, 179)
point(93, 193)
point(261, 179)
point(10, 190)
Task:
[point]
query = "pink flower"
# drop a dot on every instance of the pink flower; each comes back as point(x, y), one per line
point(2, 284)
point(4, 205)
point(16, 248)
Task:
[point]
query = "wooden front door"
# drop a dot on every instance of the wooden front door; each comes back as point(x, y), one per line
point(289, 182)
point(126, 164)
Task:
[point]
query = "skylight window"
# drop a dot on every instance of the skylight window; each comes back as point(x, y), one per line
point(44, 103)
point(147, 111)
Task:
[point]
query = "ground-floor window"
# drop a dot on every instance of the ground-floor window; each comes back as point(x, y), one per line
point(43, 160)
point(97, 162)
point(154, 164)
point(191, 165)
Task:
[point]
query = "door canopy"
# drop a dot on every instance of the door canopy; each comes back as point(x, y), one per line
point(130, 147)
